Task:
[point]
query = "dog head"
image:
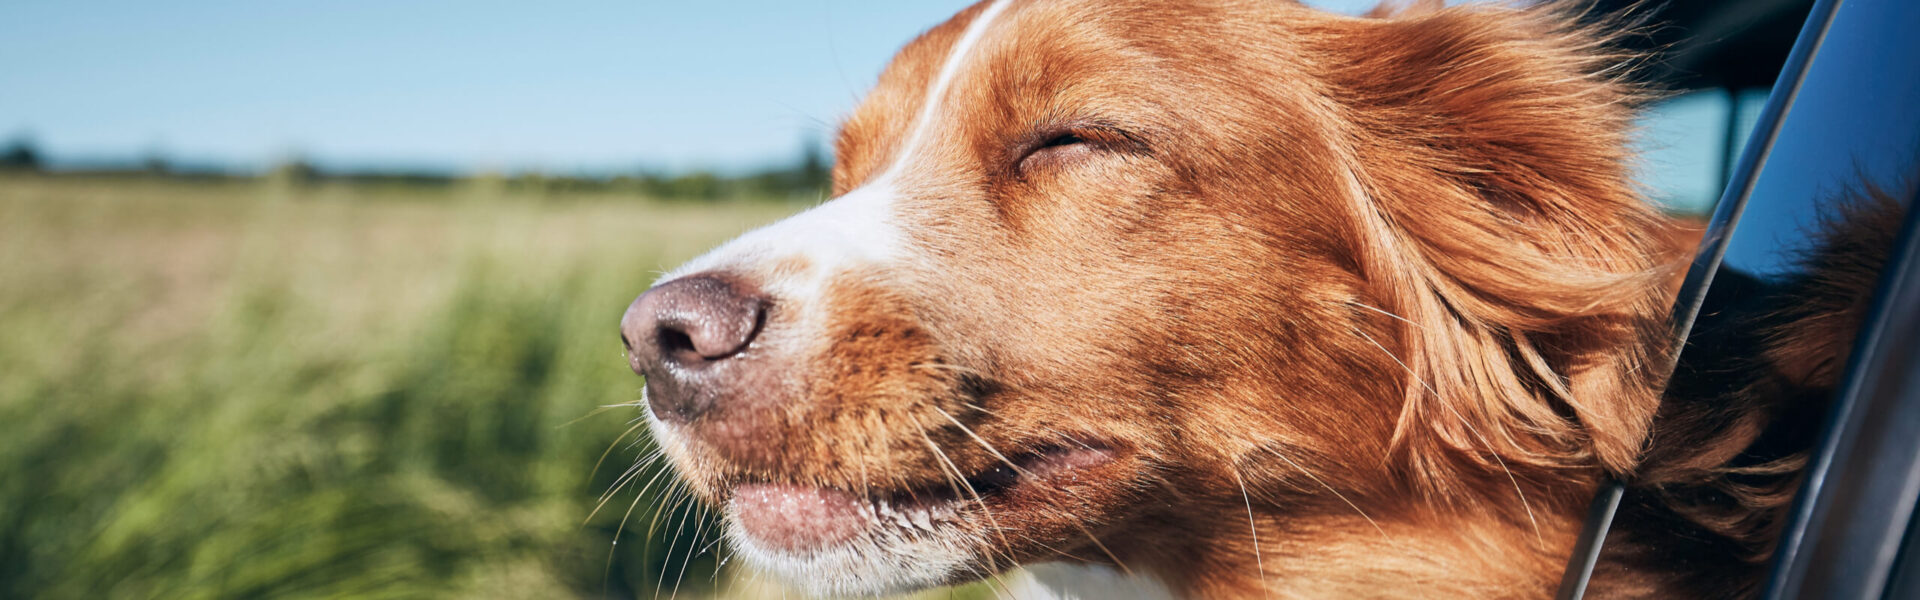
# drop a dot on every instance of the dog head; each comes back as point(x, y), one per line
point(1093, 267)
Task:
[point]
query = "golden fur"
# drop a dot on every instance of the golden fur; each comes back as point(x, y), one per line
point(1357, 307)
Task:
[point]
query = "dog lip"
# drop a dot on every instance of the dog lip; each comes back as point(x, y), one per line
point(801, 519)
point(1044, 464)
point(798, 518)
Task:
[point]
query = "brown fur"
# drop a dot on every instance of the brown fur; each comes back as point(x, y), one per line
point(1383, 283)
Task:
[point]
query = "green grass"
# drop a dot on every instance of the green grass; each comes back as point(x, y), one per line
point(250, 389)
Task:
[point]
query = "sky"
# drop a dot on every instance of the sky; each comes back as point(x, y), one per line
point(592, 86)
point(562, 85)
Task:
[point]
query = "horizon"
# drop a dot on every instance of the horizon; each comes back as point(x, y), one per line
point(581, 86)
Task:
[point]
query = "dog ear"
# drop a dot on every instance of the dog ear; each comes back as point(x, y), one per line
point(1493, 211)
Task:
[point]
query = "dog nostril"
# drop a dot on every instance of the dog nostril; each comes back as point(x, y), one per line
point(675, 343)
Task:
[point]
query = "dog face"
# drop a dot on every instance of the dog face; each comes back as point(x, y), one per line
point(1102, 280)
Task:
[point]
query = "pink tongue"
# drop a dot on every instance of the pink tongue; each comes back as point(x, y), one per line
point(797, 518)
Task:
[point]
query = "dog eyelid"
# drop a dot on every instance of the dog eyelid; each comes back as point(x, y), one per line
point(1064, 139)
point(1079, 139)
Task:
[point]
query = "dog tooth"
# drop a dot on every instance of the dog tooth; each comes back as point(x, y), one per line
point(920, 518)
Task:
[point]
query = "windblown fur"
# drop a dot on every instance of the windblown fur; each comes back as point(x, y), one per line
point(1252, 299)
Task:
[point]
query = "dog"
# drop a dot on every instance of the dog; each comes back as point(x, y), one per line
point(1195, 298)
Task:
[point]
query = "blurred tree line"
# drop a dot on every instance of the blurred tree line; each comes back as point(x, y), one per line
point(807, 178)
point(20, 155)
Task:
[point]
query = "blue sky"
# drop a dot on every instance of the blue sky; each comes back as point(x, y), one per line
point(560, 85)
point(565, 85)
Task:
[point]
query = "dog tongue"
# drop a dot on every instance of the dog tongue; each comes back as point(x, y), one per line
point(797, 518)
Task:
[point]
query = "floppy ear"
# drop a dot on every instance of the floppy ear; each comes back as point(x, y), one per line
point(1493, 210)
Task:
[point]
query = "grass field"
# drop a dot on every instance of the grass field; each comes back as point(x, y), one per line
point(259, 389)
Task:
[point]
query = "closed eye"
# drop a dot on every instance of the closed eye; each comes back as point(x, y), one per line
point(1066, 146)
point(1065, 139)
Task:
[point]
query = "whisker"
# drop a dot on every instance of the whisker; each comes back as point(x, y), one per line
point(657, 474)
point(1023, 473)
point(866, 485)
point(1539, 537)
point(1396, 359)
point(595, 412)
point(1382, 311)
point(1329, 488)
point(726, 556)
point(956, 476)
point(627, 477)
point(976, 438)
point(621, 529)
point(606, 572)
point(699, 529)
point(671, 497)
point(1258, 564)
point(979, 408)
point(949, 367)
point(999, 579)
point(684, 516)
point(610, 446)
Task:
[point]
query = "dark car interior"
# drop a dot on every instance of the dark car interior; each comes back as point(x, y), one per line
point(1823, 185)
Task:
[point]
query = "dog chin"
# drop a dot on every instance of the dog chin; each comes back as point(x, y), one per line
point(881, 559)
point(882, 564)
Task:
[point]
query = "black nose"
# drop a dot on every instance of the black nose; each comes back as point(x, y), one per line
point(680, 331)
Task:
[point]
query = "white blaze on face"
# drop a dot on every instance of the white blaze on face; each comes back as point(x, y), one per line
point(856, 229)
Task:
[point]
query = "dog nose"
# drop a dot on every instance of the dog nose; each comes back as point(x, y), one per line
point(692, 320)
point(678, 331)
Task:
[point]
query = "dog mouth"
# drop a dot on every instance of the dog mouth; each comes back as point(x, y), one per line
point(801, 519)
